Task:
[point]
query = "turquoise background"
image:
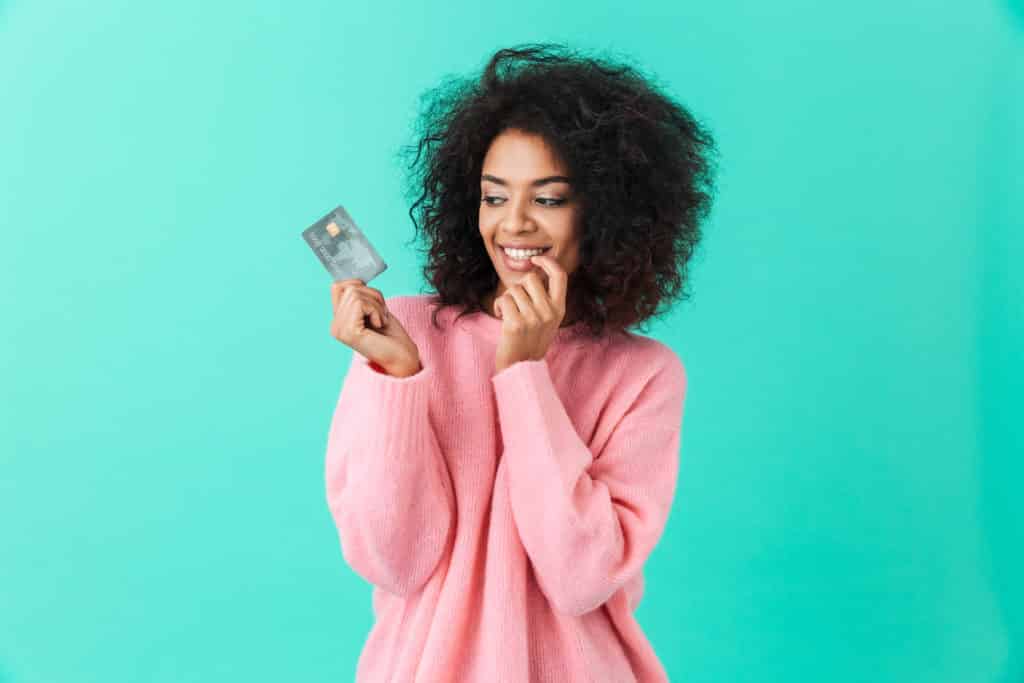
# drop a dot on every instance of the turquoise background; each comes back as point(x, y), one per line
point(849, 500)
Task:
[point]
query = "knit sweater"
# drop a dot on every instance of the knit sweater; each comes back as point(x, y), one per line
point(504, 518)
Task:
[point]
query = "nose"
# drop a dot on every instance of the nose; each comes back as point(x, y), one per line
point(517, 219)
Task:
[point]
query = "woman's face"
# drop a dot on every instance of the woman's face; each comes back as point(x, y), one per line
point(526, 201)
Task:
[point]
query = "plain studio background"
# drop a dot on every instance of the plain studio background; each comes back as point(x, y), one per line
point(848, 502)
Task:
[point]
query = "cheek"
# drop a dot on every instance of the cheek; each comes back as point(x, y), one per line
point(485, 229)
point(571, 257)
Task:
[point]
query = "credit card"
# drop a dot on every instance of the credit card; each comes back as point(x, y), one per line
point(343, 248)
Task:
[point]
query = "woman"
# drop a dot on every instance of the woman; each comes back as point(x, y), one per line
point(503, 454)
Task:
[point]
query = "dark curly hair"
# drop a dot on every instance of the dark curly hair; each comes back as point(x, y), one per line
point(642, 165)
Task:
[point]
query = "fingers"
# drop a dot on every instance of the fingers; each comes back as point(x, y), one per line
point(375, 310)
point(366, 308)
point(557, 279)
point(360, 313)
point(538, 297)
point(501, 304)
point(523, 303)
point(341, 286)
point(353, 303)
point(338, 288)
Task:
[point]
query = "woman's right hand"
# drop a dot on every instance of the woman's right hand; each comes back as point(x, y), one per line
point(386, 343)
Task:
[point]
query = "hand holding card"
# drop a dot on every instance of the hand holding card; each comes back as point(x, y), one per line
point(361, 319)
point(389, 345)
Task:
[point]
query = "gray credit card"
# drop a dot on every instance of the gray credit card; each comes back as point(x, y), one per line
point(343, 248)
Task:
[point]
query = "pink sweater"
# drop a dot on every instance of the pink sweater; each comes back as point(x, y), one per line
point(504, 519)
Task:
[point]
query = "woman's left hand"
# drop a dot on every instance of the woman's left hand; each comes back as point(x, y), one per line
point(531, 314)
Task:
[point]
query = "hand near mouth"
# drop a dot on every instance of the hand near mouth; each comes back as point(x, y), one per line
point(531, 313)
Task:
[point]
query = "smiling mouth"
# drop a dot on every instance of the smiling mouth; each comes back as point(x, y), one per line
point(540, 249)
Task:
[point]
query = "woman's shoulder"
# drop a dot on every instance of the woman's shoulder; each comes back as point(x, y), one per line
point(648, 356)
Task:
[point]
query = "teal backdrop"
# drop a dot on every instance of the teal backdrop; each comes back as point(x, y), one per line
point(849, 502)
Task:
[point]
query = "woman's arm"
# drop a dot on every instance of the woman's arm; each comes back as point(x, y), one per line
point(388, 487)
point(589, 521)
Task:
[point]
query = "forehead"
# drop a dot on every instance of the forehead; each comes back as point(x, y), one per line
point(521, 157)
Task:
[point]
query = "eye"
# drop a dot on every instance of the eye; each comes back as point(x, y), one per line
point(545, 201)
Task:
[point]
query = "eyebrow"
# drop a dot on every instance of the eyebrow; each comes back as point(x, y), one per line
point(536, 183)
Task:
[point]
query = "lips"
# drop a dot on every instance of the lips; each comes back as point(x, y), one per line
point(521, 266)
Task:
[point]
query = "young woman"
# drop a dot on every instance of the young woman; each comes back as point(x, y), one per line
point(503, 455)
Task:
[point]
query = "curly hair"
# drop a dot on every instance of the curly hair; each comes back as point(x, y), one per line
point(642, 166)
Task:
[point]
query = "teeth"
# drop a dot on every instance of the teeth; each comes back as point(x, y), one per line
point(523, 254)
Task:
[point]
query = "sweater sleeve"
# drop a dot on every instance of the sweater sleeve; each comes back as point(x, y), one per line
point(388, 487)
point(588, 521)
